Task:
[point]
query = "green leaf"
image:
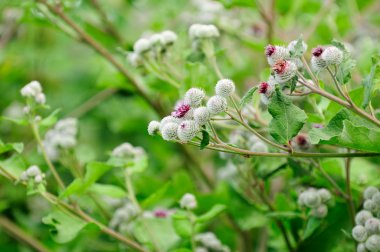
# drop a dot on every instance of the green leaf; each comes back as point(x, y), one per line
point(284, 215)
point(65, 227)
point(311, 226)
point(293, 84)
point(247, 98)
point(182, 224)
point(288, 119)
point(344, 69)
point(298, 49)
point(205, 139)
point(18, 147)
point(211, 214)
point(372, 82)
point(112, 191)
point(18, 121)
point(50, 120)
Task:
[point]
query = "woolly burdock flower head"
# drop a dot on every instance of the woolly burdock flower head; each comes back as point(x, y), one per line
point(317, 63)
point(332, 56)
point(34, 90)
point(276, 53)
point(134, 59)
point(188, 201)
point(168, 38)
point(369, 192)
point(359, 233)
point(284, 70)
point(153, 128)
point(373, 243)
point(362, 216)
point(324, 194)
point(181, 110)
point(33, 171)
point(142, 45)
point(361, 248)
point(194, 97)
point(311, 198)
point(225, 88)
point(127, 150)
point(302, 141)
point(265, 91)
point(169, 119)
point(169, 131)
point(292, 46)
point(187, 130)
point(319, 211)
point(217, 104)
point(202, 31)
point(369, 205)
point(201, 115)
point(372, 226)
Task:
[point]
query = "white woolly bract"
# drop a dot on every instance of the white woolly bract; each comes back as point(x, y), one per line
point(289, 72)
point(33, 170)
point(127, 150)
point(372, 225)
point(332, 55)
point(168, 37)
point(188, 201)
point(153, 127)
point(359, 233)
point(369, 205)
point(310, 198)
point(264, 99)
point(201, 115)
point(369, 192)
point(169, 119)
point(142, 45)
point(225, 88)
point(194, 97)
point(134, 59)
point(373, 243)
point(319, 211)
point(217, 104)
point(324, 194)
point(361, 248)
point(187, 130)
point(292, 45)
point(376, 199)
point(200, 31)
point(280, 53)
point(317, 64)
point(362, 216)
point(169, 131)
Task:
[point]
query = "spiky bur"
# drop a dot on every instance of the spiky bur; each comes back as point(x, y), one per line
point(373, 243)
point(187, 130)
point(332, 56)
point(301, 142)
point(276, 53)
point(202, 31)
point(217, 104)
point(201, 115)
point(169, 119)
point(153, 128)
point(284, 70)
point(194, 97)
point(316, 199)
point(359, 233)
point(225, 88)
point(188, 201)
point(181, 110)
point(292, 46)
point(317, 63)
point(169, 131)
point(265, 91)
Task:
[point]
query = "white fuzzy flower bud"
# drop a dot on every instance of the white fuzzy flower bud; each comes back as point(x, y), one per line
point(362, 216)
point(317, 64)
point(320, 211)
point(188, 201)
point(200, 31)
point(225, 88)
point(40, 98)
point(31, 89)
point(155, 39)
point(217, 104)
point(187, 130)
point(276, 53)
point(311, 198)
point(194, 97)
point(332, 56)
point(26, 110)
point(24, 176)
point(372, 225)
point(142, 46)
point(33, 171)
point(292, 46)
point(376, 199)
point(359, 233)
point(168, 37)
point(201, 115)
point(370, 191)
point(373, 243)
point(369, 205)
point(153, 127)
point(134, 59)
point(169, 119)
point(284, 70)
point(361, 248)
point(39, 178)
point(169, 131)
point(324, 194)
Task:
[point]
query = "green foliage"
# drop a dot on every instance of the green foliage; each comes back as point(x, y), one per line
point(247, 98)
point(371, 83)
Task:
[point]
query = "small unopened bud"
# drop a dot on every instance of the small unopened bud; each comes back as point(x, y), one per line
point(225, 88)
point(187, 130)
point(284, 70)
point(194, 97)
point(201, 115)
point(317, 63)
point(361, 248)
point(169, 119)
point(168, 38)
point(40, 98)
point(376, 199)
point(292, 46)
point(142, 46)
point(276, 53)
point(134, 59)
point(153, 127)
point(332, 56)
point(359, 233)
point(373, 243)
point(319, 211)
point(33, 171)
point(188, 201)
point(369, 205)
point(372, 225)
point(362, 216)
point(38, 179)
point(200, 31)
point(217, 104)
point(169, 131)
point(324, 194)
point(311, 198)
point(370, 191)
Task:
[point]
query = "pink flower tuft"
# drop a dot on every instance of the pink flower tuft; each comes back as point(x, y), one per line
point(160, 213)
point(280, 66)
point(181, 110)
point(317, 51)
point(263, 87)
point(269, 50)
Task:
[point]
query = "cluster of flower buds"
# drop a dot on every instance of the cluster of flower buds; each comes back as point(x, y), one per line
point(367, 229)
point(34, 174)
point(315, 199)
point(203, 31)
point(127, 150)
point(123, 216)
point(157, 43)
point(209, 242)
point(188, 201)
point(62, 136)
point(186, 121)
point(33, 91)
point(325, 56)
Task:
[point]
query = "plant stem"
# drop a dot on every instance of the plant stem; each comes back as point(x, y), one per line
point(44, 154)
point(21, 235)
point(209, 50)
point(350, 202)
